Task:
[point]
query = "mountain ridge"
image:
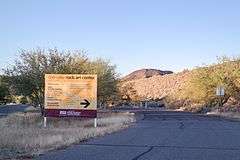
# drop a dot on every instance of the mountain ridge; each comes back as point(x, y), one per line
point(145, 73)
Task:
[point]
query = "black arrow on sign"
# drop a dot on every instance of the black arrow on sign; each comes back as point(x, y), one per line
point(86, 103)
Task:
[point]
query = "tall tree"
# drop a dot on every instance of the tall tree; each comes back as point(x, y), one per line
point(27, 73)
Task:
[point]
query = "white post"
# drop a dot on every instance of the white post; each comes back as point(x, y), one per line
point(146, 105)
point(95, 122)
point(44, 122)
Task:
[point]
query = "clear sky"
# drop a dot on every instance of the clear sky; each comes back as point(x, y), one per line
point(133, 34)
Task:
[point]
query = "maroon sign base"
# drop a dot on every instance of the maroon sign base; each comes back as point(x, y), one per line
point(70, 113)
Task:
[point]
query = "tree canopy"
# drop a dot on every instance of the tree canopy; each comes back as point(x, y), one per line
point(27, 73)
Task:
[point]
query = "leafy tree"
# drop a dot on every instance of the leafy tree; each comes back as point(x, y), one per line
point(130, 94)
point(107, 79)
point(4, 92)
point(27, 74)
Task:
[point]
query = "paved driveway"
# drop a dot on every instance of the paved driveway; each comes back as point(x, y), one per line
point(8, 109)
point(162, 136)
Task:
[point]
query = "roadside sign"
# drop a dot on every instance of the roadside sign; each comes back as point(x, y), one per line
point(70, 95)
point(220, 91)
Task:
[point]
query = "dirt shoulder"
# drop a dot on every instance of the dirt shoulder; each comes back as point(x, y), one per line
point(227, 115)
point(23, 135)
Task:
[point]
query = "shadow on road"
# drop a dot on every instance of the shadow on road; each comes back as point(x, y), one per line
point(9, 109)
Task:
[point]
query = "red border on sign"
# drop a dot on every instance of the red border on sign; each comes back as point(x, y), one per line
point(70, 113)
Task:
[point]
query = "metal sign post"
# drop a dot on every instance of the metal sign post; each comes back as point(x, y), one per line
point(146, 104)
point(44, 122)
point(95, 122)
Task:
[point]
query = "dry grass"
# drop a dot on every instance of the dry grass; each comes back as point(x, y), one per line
point(23, 134)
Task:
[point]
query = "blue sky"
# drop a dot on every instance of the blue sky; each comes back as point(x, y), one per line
point(133, 34)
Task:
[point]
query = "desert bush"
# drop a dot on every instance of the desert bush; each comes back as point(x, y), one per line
point(201, 87)
point(173, 102)
point(129, 93)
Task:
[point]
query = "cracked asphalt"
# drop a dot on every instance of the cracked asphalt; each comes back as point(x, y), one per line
point(162, 135)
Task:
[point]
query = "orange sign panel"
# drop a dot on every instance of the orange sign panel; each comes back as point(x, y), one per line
point(70, 93)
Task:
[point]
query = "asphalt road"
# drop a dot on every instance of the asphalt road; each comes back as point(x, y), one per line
point(162, 136)
point(8, 109)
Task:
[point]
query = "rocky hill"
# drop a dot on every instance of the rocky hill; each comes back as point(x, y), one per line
point(145, 73)
point(153, 84)
point(192, 90)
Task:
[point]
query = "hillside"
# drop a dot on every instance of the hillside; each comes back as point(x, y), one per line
point(194, 89)
point(154, 87)
point(145, 73)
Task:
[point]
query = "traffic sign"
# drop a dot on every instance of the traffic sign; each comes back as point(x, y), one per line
point(70, 95)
